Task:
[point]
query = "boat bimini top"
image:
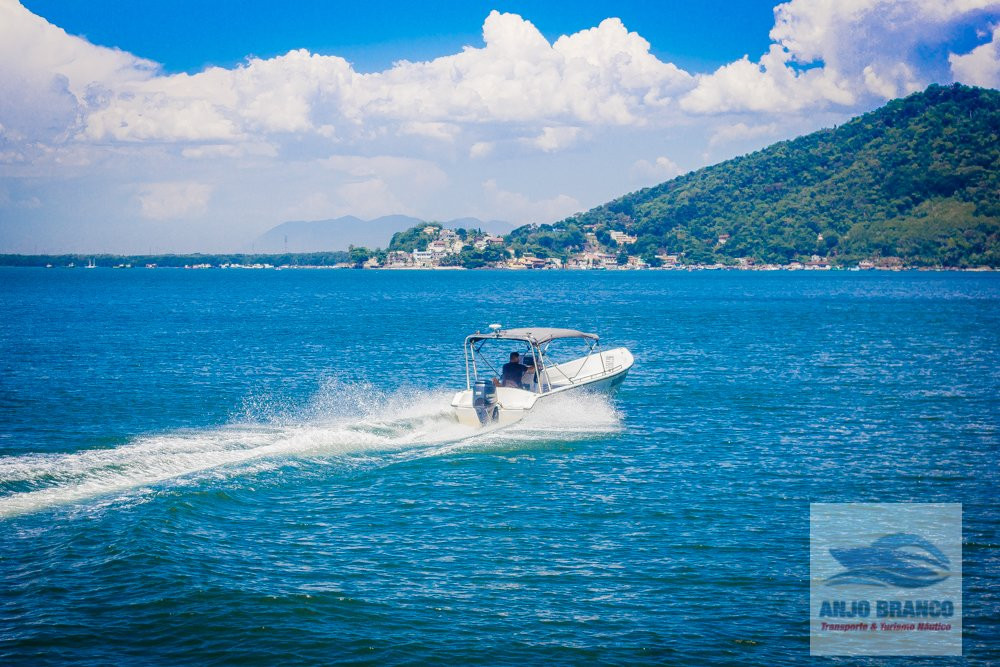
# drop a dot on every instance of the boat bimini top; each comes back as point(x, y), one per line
point(535, 336)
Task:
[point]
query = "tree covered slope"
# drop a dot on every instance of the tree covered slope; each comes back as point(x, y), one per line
point(917, 179)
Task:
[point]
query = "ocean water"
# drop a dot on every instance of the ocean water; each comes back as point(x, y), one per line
point(260, 467)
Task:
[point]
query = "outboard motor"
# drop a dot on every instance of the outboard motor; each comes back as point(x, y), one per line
point(484, 399)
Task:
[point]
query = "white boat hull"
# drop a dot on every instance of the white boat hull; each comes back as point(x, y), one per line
point(599, 372)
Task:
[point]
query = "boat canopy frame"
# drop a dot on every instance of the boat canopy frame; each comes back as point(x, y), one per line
point(538, 340)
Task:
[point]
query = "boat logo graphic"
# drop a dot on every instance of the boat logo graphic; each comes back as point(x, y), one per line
point(902, 560)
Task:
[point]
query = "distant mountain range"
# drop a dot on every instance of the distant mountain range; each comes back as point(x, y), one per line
point(340, 233)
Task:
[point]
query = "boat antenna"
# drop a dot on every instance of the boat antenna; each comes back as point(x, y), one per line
point(495, 328)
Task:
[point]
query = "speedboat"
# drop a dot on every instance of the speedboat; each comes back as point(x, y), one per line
point(491, 396)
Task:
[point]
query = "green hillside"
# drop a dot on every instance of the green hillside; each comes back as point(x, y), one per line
point(917, 179)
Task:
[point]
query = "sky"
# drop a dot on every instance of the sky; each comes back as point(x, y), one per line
point(188, 126)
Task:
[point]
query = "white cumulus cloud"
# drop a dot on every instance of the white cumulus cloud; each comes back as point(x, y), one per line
point(481, 149)
point(555, 138)
point(727, 134)
point(834, 53)
point(421, 174)
point(370, 199)
point(604, 75)
point(440, 131)
point(981, 66)
point(660, 169)
point(824, 52)
point(521, 209)
point(48, 79)
point(172, 200)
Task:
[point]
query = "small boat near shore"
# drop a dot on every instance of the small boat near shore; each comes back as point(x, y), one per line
point(495, 394)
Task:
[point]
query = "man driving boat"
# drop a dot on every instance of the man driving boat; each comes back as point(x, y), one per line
point(513, 371)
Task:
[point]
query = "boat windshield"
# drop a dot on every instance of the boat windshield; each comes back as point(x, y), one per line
point(551, 363)
point(561, 350)
point(488, 357)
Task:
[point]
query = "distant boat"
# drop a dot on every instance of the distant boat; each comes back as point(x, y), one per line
point(91, 264)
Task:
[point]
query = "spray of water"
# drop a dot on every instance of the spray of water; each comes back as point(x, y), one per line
point(341, 422)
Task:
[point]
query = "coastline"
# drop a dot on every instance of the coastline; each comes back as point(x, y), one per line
point(677, 268)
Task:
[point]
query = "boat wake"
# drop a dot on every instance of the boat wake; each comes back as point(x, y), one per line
point(356, 425)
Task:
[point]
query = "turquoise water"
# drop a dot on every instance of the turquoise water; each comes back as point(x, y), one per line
point(260, 467)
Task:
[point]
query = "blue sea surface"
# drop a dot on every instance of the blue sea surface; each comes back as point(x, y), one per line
point(260, 467)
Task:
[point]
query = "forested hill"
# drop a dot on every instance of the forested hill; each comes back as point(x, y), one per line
point(917, 179)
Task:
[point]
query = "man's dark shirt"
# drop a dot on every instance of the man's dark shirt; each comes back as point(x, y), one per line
point(512, 371)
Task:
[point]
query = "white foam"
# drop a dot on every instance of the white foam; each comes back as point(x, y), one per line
point(341, 421)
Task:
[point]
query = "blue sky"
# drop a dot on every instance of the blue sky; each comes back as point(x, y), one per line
point(187, 35)
point(184, 126)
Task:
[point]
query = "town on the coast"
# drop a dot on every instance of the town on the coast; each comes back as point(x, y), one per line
point(435, 247)
point(431, 246)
